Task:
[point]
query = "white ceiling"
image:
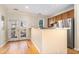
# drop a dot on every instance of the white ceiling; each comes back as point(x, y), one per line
point(45, 9)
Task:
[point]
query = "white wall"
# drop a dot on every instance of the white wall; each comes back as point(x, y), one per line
point(3, 38)
point(76, 12)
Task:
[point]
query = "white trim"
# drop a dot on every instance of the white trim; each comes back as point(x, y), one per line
point(76, 49)
point(18, 40)
point(3, 44)
point(36, 46)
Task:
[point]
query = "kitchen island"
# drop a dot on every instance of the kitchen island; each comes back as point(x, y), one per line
point(50, 40)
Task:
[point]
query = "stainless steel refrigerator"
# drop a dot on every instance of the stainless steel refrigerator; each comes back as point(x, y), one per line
point(70, 35)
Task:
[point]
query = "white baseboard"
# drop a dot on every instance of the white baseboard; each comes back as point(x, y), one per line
point(3, 44)
point(18, 40)
point(36, 46)
point(76, 49)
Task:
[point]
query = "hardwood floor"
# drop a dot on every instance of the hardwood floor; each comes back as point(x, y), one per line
point(25, 47)
point(19, 47)
point(72, 51)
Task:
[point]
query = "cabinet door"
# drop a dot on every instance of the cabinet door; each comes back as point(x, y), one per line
point(64, 16)
point(70, 14)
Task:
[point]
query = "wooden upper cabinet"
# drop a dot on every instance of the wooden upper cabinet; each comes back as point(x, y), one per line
point(70, 14)
point(55, 18)
point(64, 16)
point(59, 17)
